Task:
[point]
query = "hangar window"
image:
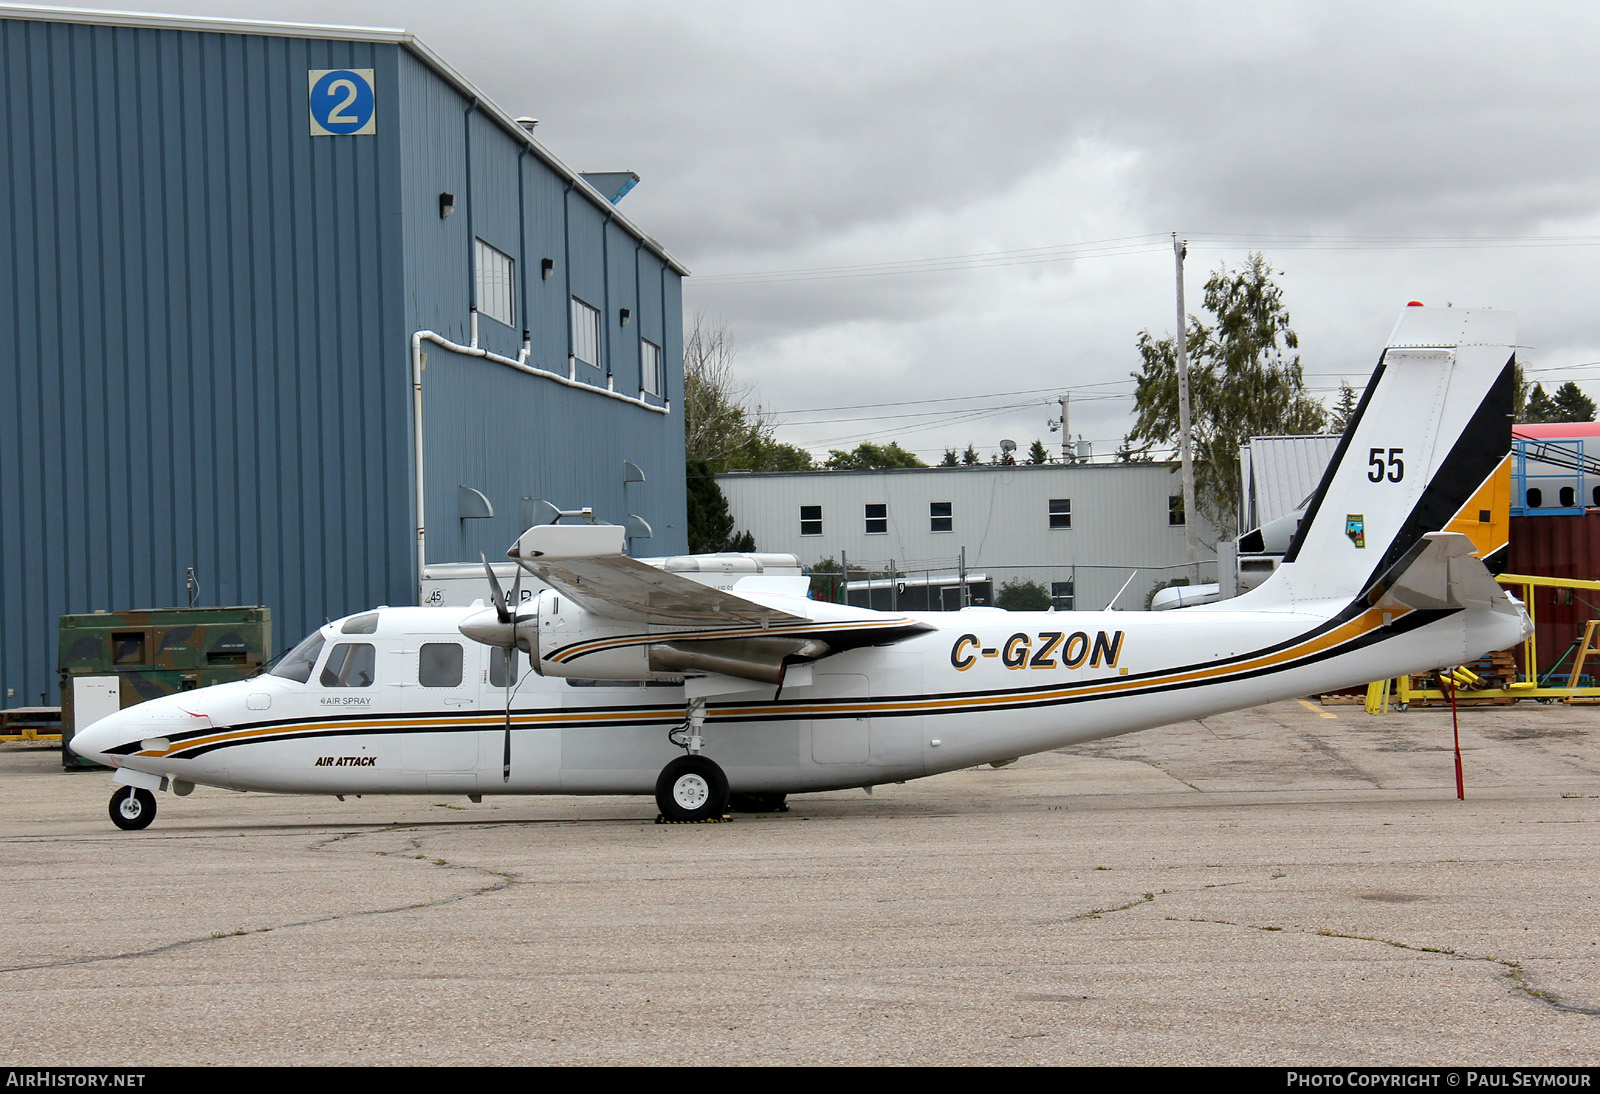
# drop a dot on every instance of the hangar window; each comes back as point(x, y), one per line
point(439, 665)
point(350, 665)
point(811, 520)
point(495, 280)
point(941, 517)
point(1061, 512)
point(1062, 595)
point(877, 518)
point(649, 368)
point(585, 333)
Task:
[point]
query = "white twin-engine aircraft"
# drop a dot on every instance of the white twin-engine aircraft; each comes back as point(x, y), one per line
point(644, 681)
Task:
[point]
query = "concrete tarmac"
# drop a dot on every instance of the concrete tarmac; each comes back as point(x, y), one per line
point(1285, 885)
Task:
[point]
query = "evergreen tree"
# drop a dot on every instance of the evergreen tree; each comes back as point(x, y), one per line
point(970, 458)
point(949, 459)
point(1572, 405)
point(1037, 453)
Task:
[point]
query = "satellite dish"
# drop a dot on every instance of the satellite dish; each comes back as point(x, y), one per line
point(1008, 445)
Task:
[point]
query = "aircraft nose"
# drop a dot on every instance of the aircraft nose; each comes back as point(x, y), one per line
point(92, 742)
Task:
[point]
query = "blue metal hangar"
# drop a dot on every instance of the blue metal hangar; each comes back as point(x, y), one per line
point(298, 308)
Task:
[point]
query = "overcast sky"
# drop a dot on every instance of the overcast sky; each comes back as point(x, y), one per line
point(807, 139)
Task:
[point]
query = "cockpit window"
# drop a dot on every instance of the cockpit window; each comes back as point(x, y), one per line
point(301, 660)
point(439, 665)
point(361, 624)
point(350, 665)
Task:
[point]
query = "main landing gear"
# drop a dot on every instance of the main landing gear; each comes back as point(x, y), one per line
point(132, 808)
point(692, 787)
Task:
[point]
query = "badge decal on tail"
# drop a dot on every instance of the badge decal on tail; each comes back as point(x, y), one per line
point(1356, 528)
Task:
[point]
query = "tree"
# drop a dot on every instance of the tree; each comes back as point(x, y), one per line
point(1127, 453)
point(710, 523)
point(1539, 407)
point(1020, 595)
point(1037, 453)
point(718, 425)
point(871, 457)
point(1344, 409)
point(1245, 380)
point(969, 458)
point(949, 458)
point(1572, 405)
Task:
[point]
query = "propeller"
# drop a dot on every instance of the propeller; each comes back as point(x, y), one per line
point(506, 615)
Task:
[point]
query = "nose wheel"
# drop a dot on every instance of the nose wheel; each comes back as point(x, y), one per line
point(132, 808)
point(691, 788)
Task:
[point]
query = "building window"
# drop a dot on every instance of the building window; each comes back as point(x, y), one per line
point(877, 519)
point(811, 520)
point(649, 368)
point(940, 518)
point(1174, 508)
point(1061, 512)
point(495, 280)
point(585, 333)
point(1061, 595)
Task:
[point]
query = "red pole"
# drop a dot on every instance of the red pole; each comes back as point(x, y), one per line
point(1455, 726)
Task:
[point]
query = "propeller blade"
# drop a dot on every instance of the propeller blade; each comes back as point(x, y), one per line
point(495, 591)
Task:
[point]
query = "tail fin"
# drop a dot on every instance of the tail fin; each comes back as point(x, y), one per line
point(1428, 450)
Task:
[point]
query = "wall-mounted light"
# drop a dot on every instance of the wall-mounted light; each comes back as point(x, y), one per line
point(625, 316)
point(547, 268)
point(447, 205)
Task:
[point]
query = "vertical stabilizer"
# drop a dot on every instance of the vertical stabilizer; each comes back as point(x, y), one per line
point(1427, 451)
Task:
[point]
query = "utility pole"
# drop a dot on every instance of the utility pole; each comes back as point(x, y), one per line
point(1179, 249)
point(1066, 433)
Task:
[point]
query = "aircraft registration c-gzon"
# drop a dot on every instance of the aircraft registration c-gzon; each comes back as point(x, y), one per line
point(644, 681)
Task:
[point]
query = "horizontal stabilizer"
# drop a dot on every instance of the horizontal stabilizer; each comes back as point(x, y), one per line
point(1439, 573)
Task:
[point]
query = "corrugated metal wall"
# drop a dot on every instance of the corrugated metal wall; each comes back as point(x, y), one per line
point(507, 434)
point(1558, 546)
point(205, 322)
point(194, 298)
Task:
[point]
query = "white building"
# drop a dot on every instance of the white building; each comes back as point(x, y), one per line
point(1080, 530)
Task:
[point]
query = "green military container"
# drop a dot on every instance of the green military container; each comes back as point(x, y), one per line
point(111, 660)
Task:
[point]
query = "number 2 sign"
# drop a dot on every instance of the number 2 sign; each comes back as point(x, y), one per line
point(342, 103)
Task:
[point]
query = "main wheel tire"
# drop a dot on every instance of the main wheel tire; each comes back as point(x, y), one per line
point(758, 803)
point(691, 788)
point(132, 808)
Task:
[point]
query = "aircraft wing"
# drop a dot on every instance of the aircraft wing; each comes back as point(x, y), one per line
point(585, 562)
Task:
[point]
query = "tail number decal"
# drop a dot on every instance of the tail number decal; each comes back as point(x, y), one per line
point(1044, 650)
point(1393, 469)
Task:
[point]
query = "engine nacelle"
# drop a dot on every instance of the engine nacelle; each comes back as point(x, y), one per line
point(573, 642)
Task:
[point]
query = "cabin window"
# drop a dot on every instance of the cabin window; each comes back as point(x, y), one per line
point(301, 660)
point(1061, 512)
point(1535, 497)
point(502, 666)
point(361, 624)
point(350, 665)
point(877, 518)
point(941, 517)
point(439, 665)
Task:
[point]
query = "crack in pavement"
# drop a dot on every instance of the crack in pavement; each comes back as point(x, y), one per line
point(503, 881)
point(1515, 972)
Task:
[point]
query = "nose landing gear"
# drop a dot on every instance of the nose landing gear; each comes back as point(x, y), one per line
point(132, 808)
